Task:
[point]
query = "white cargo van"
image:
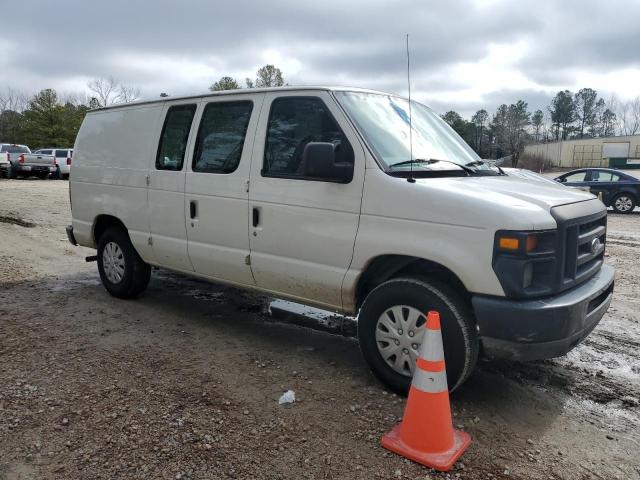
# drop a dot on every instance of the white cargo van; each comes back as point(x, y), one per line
point(309, 194)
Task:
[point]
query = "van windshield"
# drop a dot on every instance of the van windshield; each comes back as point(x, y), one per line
point(383, 120)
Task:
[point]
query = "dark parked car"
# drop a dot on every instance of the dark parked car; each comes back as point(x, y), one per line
point(619, 190)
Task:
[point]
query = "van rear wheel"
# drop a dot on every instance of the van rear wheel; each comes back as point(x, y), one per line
point(391, 326)
point(123, 273)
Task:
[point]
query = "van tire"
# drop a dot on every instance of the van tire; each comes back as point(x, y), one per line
point(137, 273)
point(460, 337)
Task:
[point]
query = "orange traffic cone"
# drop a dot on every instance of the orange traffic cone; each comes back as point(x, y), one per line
point(426, 433)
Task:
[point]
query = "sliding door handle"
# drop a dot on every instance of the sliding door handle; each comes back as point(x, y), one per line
point(193, 209)
point(256, 217)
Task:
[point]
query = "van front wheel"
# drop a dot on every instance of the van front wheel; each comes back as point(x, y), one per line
point(123, 273)
point(391, 326)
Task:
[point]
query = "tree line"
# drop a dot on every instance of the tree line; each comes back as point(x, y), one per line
point(267, 76)
point(569, 115)
point(48, 119)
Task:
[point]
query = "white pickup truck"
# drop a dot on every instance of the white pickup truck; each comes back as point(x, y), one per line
point(312, 194)
point(20, 162)
point(61, 158)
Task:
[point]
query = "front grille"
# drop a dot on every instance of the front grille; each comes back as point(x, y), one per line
point(582, 242)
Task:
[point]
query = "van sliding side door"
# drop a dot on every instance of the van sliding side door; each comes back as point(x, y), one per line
point(216, 195)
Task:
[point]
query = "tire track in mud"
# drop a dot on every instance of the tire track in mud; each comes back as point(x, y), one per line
point(599, 380)
point(16, 221)
point(624, 243)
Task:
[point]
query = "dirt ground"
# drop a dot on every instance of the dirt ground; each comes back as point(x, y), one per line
point(183, 383)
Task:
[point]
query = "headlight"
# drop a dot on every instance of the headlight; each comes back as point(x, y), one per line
point(525, 261)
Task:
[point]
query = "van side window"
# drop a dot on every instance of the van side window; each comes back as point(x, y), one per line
point(221, 136)
point(294, 122)
point(61, 153)
point(174, 136)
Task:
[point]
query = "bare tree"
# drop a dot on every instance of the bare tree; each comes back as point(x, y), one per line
point(104, 90)
point(109, 91)
point(12, 105)
point(546, 126)
point(74, 98)
point(128, 94)
point(614, 105)
point(629, 114)
point(13, 100)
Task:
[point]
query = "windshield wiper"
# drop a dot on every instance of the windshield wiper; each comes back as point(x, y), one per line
point(475, 162)
point(433, 160)
point(482, 162)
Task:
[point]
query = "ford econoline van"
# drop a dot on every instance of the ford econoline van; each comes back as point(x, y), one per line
point(322, 196)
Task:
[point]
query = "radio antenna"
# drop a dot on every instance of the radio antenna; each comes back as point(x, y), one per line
point(410, 179)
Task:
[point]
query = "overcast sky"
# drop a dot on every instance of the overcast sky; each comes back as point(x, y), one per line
point(466, 54)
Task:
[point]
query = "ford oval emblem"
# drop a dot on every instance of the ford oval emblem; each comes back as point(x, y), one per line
point(595, 245)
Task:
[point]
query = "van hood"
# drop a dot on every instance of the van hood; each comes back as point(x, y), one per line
point(510, 191)
point(486, 203)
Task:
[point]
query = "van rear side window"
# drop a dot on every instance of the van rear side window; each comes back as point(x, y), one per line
point(173, 140)
point(221, 136)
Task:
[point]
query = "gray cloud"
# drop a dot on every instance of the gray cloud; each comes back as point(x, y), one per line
point(180, 47)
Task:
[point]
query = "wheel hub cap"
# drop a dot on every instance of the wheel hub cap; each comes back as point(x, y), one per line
point(623, 204)
point(113, 262)
point(399, 335)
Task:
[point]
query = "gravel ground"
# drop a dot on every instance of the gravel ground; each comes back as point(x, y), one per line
point(184, 382)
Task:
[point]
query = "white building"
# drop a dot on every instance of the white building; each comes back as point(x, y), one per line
point(617, 152)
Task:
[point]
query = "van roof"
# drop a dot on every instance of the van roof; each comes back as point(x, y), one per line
point(243, 91)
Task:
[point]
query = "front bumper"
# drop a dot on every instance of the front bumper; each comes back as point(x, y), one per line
point(546, 327)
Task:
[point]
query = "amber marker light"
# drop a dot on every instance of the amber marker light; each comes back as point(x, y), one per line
point(509, 243)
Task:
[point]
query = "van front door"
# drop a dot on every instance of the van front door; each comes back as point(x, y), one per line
point(168, 235)
point(216, 200)
point(303, 228)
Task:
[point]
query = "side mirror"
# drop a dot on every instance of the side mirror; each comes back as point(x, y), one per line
point(561, 180)
point(319, 160)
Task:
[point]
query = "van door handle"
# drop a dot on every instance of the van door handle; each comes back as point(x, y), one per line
point(193, 209)
point(256, 216)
